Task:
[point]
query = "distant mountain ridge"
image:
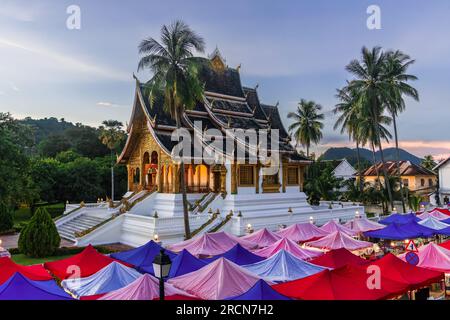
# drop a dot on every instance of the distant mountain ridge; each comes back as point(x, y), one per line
point(366, 154)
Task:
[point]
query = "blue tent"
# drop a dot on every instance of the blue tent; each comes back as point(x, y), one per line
point(447, 221)
point(283, 266)
point(399, 218)
point(238, 255)
point(396, 231)
point(112, 277)
point(142, 257)
point(17, 287)
point(183, 263)
point(260, 291)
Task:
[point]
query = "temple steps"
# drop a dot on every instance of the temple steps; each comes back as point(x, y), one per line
point(79, 224)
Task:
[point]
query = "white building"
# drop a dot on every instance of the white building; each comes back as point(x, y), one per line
point(443, 169)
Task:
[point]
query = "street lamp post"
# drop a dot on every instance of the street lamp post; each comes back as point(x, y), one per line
point(161, 268)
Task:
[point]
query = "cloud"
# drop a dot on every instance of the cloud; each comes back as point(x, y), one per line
point(109, 104)
point(66, 61)
point(14, 87)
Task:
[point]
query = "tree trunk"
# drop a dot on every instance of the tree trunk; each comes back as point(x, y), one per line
point(375, 163)
point(386, 178)
point(112, 176)
point(361, 183)
point(187, 229)
point(397, 162)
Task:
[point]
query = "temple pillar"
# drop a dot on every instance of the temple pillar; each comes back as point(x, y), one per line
point(283, 176)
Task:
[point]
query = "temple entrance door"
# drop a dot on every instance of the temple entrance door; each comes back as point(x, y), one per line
point(216, 182)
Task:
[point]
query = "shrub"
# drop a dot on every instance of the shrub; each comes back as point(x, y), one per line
point(6, 218)
point(40, 237)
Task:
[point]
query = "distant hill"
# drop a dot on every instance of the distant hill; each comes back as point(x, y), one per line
point(351, 155)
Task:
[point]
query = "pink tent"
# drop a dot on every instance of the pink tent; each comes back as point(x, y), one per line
point(302, 232)
point(361, 225)
point(218, 280)
point(262, 237)
point(332, 226)
point(211, 244)
point(433, 214)
point(339, 240)
point(432, 256)
point(145, 287)
point(290, 246)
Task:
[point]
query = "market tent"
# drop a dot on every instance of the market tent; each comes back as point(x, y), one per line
point(338, 258)
point(260, 291)
point(110, 278)
point(399, 218)
point(262, 237)
point(434, 214)
point(211, 244)
point(283, 266)
point(18, 287)
point(338, 240)
point(445, 245)
point(346, 283)
point(290, 246)
point(219, 280)
point(146, 287)
point(433, 223)
point(401, 271)
point(142, 257)
point(9, 267)
point(238, 255)
point(432, 256)
point(302, 232)
point(441, 210)
point(184, 263)
point(333, 226)
point(362, 225)
point(81, 265)
point(396, 231)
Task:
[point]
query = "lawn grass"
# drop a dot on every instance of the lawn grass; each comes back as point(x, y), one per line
point(26, 261)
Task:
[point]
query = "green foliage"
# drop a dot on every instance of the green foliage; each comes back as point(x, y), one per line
point(321, 184)
point(40, 237)
point(428, 162)
point(414, 202)
point(6, 217)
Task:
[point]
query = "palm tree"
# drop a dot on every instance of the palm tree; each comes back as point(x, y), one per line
point(307, 126)
point(349, 121)
point(175, 77)
point(428, 162)
point(111, 134)
point(396, 65)
point(372, 88)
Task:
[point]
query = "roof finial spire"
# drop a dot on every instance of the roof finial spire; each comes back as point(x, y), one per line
point(238, 68)
point(257, 86)
point(277, 104)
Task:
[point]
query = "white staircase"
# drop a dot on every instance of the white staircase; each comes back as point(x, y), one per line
point(81, 223)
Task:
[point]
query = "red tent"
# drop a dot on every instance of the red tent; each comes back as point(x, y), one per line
point(347, 283)
point(401, 271)
point(9, 267)
point(444, 211)
point(445, 244)
point(88, 262)
point(338, 258)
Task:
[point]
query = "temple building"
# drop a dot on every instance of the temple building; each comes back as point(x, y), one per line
point(227, 190)
point(226, 105)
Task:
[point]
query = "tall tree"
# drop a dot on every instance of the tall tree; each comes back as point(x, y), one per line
point(111, 134)
point(372, 87)
point(307, 126)
point(397, 64)
point(175, 77)
point(428, 162)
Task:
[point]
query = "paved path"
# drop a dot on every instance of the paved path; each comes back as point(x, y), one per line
point(10, 241)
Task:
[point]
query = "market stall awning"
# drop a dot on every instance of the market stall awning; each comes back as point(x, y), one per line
point(219, 280)
point(18, 287)
point(290, 246)
point(338, 258)
point(362, 225)
point(433, 223)
point(9, 267)
point(339, 240)
point(396, 231)
point(260, 291)
point(112, 277)
point(238, 255)
point(184, 263)
point(333, 226)
point(346, 283)
point(283, 266)
point(432, 256)
point(302, 232)
point(399, 218)
point(262, 237)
